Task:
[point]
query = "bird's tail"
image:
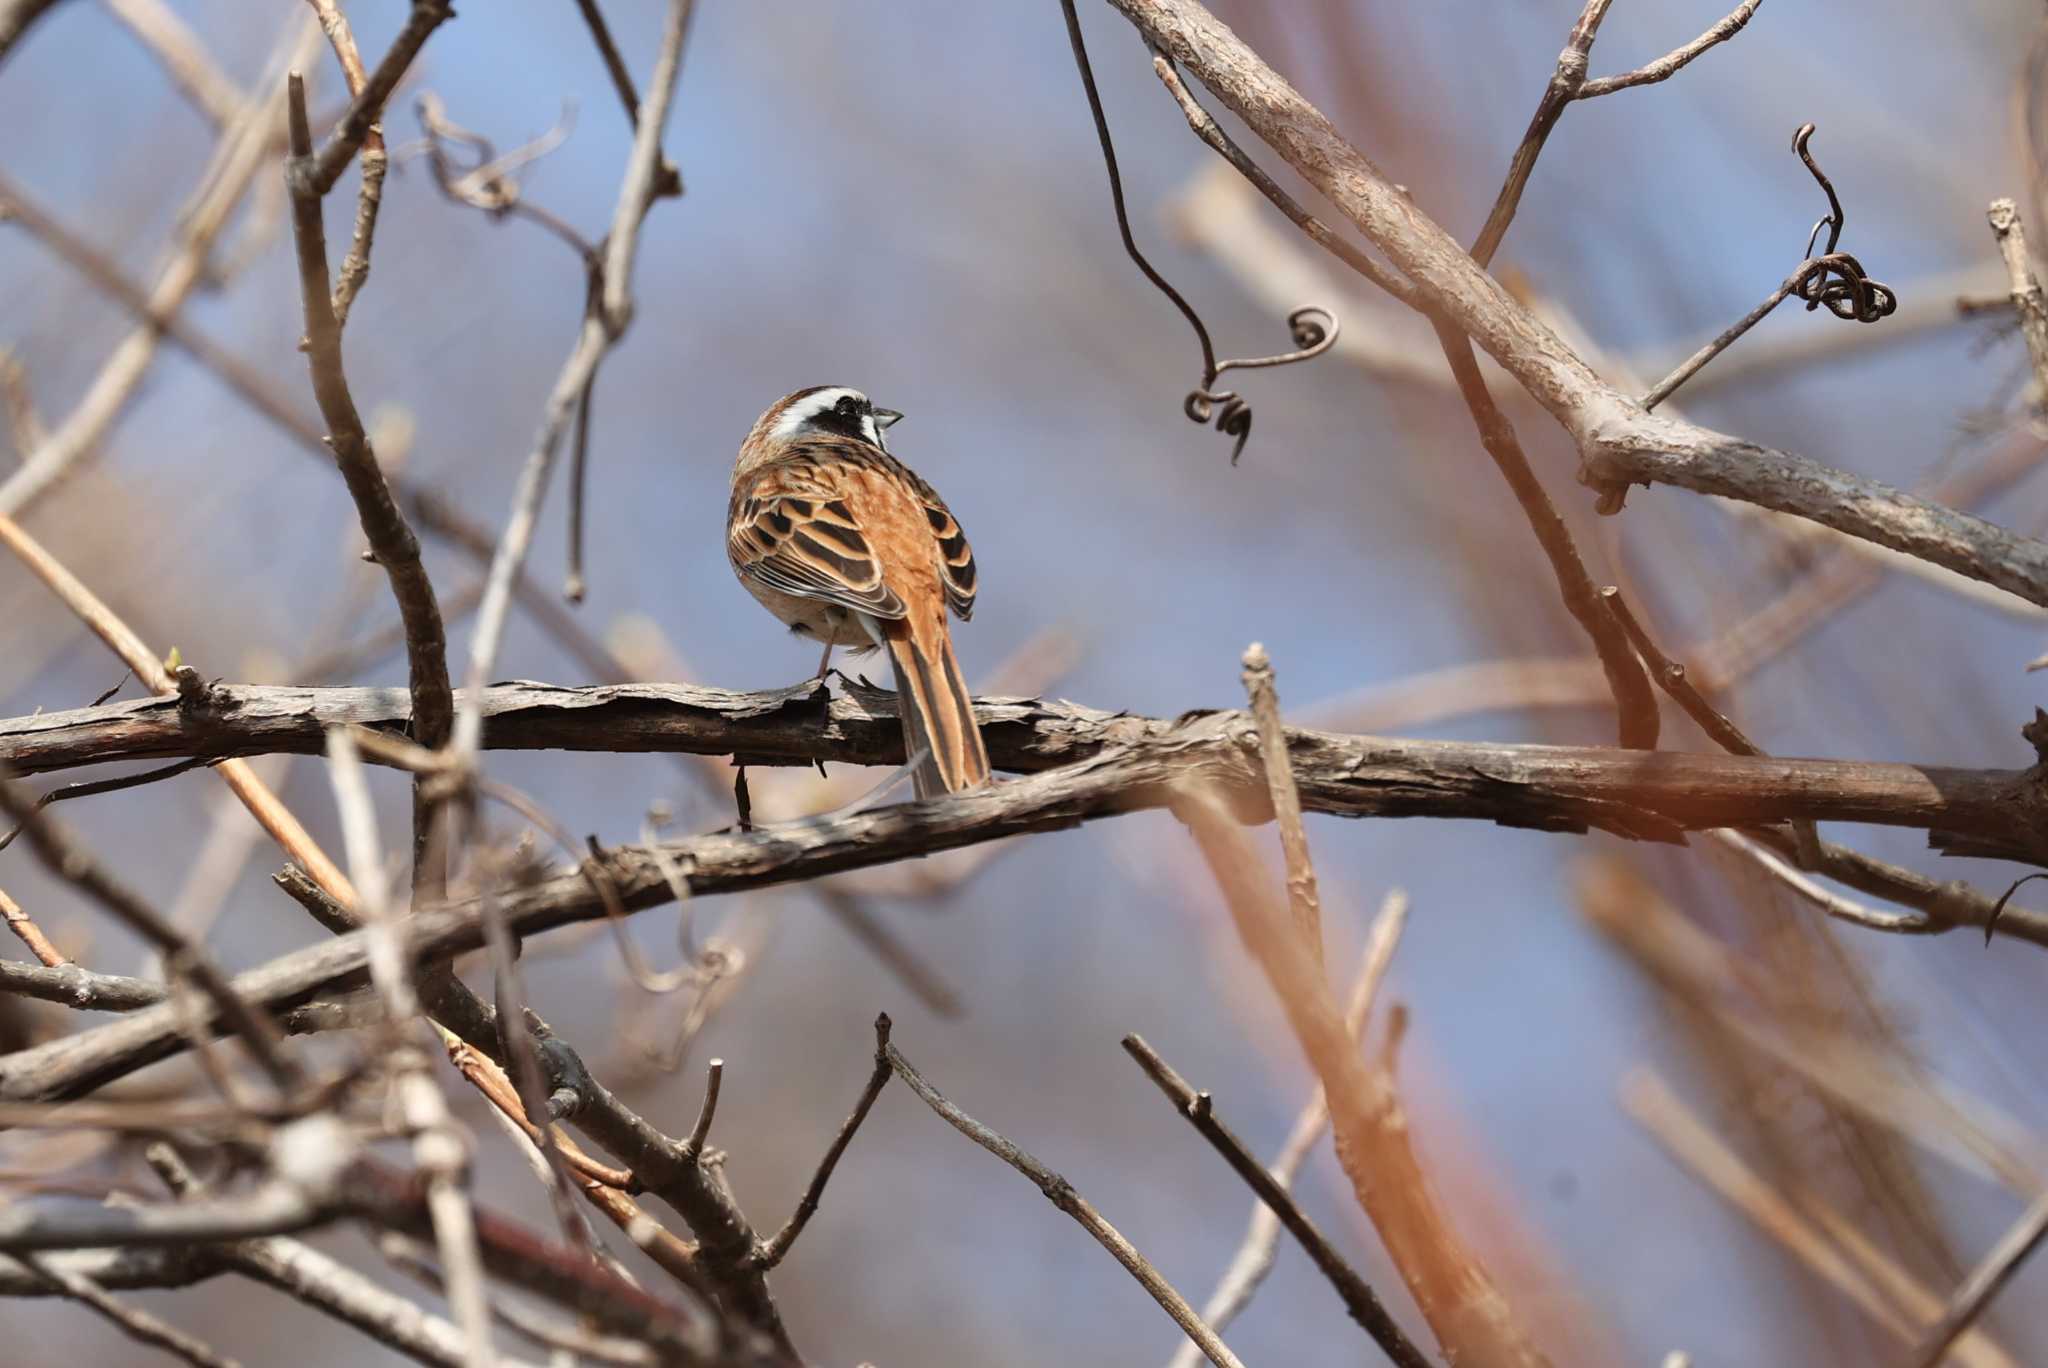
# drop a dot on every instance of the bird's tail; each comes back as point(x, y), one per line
point(938, 716)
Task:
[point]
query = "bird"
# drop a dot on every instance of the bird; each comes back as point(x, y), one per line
point(849, 547)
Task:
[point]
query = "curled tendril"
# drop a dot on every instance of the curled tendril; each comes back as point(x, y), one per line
point(1314, 329)
point(1315, 332)
point(1836, 280)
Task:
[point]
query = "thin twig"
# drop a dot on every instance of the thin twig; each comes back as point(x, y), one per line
point(1565, 85)
point(1673, 62)
point(138, 1325)
point(1986, 1280)
point(1062, 1195)
point(1359, 1298)
point(670, 181)
point(439, 1147)
point(714, 1075)
point(1302, 897)
point(1463, 1304)
point(1691, 366)
point(70, 862)
point(1673, 679)
point(237, 774)
point(2026, 289)
point(1255, 1255)
point(1917, 923)
point(603, 325)
point(516, 1037)
point(317, 174)
point(1209, 131)
point(773, 1252)
point(355, 267)
point(24, 926)
point(1634, 701)
point(96, 787)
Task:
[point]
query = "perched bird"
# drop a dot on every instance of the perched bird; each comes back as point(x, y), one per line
point(846, 544)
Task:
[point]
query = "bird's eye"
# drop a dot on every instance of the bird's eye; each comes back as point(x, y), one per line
point(850, 406)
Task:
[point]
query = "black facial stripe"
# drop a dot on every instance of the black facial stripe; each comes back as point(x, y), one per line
point(843, 419)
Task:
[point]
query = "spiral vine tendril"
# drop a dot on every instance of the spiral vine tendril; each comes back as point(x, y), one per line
point(1836, 280)
point(1314, 328)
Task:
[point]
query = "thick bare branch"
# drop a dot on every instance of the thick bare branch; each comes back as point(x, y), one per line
point(391, 537)
point(1643, 795)
point(1619, 444)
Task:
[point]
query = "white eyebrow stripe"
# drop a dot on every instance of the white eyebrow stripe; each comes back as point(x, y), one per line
point(798, 416)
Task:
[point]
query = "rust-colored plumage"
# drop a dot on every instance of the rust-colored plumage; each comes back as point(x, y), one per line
point(847, 545)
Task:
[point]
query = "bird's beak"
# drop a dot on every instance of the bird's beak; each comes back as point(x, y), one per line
point(887, 418)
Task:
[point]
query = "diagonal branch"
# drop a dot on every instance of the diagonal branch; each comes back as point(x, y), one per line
point(138, 1325)
point(242, 150)
point(773, 1251)
point(1465, 1308)
point(1061, 1194)
point(1618, 443)
point(1674, 61)
point(1564, 87)
point(317, 174)
point(1359, 1298)
point(1254, 1258)
point(391, 537)
point(70, 862)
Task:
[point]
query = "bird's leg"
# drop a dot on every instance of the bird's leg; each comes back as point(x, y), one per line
point(824, 660)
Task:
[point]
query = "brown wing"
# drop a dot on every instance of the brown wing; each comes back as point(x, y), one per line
point(789, 527)
point(956, 557)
